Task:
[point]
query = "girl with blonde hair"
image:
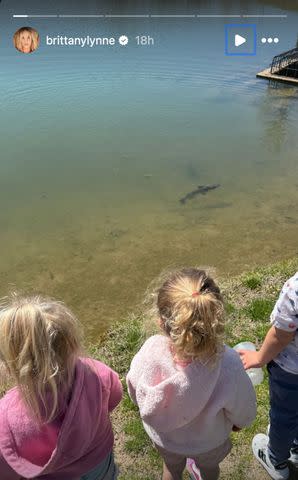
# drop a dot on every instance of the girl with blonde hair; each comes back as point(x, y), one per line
point(191, 389)
point(26, 40)
point(55, 422)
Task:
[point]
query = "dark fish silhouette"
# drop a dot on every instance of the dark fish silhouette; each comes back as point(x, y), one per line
point(201, 190)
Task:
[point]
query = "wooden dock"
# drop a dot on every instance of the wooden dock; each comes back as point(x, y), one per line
point(284, 68)
point(271, 76)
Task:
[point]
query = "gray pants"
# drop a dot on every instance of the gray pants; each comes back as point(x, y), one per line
point(207, 462)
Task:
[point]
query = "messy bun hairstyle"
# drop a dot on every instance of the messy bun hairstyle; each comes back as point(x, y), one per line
point(191, 312)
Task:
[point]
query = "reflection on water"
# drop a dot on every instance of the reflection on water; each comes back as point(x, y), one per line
point(278, 112)
point(99, 148)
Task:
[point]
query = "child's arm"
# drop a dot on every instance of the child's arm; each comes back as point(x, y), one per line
point(275, 341)
point(116, 390)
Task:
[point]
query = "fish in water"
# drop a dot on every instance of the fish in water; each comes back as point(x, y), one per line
point(201, 190)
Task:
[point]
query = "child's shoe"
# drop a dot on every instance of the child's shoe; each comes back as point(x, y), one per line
point(193, 470)
point(294, 452)
point(259, 447)
point(294, 456)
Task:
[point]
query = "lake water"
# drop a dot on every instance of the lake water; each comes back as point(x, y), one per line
point(98, 146)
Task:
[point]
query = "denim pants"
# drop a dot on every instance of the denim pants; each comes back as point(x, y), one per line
point(105, 470)
point(283, 435)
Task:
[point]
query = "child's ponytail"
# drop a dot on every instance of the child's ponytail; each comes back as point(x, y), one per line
point(192, 313)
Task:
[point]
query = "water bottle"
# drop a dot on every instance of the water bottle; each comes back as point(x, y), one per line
point(255, 374)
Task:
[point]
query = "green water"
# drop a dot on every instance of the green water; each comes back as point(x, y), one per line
point(98, 149)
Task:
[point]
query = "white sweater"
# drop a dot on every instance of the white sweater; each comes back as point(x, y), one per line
point(189, 410)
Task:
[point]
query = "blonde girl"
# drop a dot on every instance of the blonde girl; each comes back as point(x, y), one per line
point(55, 422)
point(190, 388)
point(26, 40)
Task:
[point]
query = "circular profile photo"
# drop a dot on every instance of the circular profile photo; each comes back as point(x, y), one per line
point(26, 40)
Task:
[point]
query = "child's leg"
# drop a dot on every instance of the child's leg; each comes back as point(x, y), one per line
point(283, 387)
point(208, 462)
point(173, 472)
point(173, 464)
point(210, 473)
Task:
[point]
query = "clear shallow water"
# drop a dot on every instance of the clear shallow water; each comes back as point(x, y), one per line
point(99, 145)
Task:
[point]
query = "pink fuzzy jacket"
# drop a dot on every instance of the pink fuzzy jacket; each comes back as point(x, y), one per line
point(189, 410)
point(72, 445)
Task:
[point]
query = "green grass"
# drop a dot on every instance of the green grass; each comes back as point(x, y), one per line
point(127, 404)
point(249, 300)
point(139, 439)
point(260, 309)
point(120, 344)
point(253, 282)
point(230, 308)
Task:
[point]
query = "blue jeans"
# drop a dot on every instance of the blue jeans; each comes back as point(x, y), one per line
point(105, 470)
point(283, 435)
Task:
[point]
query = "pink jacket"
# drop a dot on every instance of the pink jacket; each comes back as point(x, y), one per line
point(189, 410)
point(72, 445)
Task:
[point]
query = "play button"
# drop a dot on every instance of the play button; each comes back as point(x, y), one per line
point(239, 40)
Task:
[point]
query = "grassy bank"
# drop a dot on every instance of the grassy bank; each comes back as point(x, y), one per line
point(249, 300)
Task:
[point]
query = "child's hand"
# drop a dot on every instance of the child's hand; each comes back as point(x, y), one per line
point(236, 429)
point(250, 359)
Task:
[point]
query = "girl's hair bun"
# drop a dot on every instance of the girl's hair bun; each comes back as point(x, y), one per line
point(191, 309)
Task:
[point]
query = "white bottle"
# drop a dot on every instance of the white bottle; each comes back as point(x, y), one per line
point(255, 374)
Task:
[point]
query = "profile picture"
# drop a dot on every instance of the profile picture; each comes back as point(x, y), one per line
point(26, 40)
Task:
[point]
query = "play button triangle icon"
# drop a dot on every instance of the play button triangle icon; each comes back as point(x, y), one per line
point(239, 40)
